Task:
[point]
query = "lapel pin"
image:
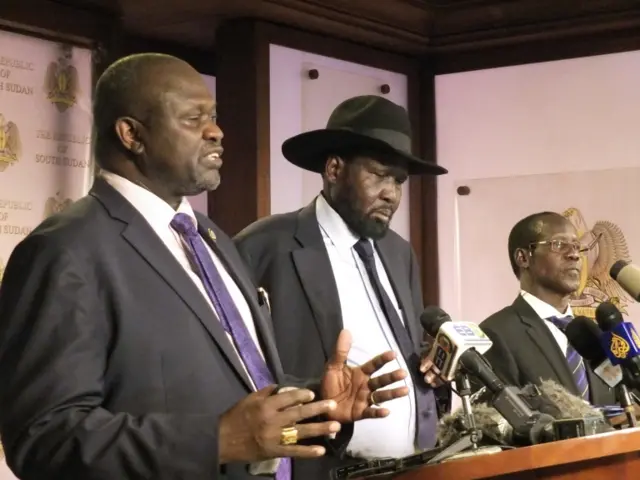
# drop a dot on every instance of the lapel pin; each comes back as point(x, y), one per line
point(212, 235)
point(264, 298)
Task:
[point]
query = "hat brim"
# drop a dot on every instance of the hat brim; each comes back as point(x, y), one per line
point(309, 150)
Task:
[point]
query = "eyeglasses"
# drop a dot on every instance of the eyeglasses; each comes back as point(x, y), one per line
point(564, 247)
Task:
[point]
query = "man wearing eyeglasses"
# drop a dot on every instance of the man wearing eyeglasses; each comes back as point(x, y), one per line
point(528, 340)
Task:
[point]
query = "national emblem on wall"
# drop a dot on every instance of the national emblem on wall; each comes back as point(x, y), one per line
point(10, 146)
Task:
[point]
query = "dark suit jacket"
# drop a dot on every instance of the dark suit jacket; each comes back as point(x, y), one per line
point(112, 364)
point(525, 352)
point(288, 257)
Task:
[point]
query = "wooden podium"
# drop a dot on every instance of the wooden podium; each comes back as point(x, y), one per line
point(610, 456)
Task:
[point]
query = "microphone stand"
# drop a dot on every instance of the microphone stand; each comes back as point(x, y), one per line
point(627, 404)
point(472, 435)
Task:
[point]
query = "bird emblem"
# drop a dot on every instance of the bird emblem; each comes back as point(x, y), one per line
point(596, 285)
point(10, 145)
point(61, 83)
point(56, 204)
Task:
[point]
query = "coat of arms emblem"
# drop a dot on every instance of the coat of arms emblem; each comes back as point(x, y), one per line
point(56, 204)
point(61, 82)
point(10, 145)
point(596, 285)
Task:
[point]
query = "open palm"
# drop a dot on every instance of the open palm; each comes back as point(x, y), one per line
point(352, 387)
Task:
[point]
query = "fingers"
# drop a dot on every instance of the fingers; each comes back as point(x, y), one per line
point(300, 451)
point(290, 398)
point(343, 345)
point(432, 378)
point(298, 413)
point(377, 363)
point(381, 396)
point(266, 391)
point(387, 379)
point(375, 413)
point(314, 430)
point(426, 364)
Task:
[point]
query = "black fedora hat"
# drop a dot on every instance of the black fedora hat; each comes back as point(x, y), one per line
point(368, 123)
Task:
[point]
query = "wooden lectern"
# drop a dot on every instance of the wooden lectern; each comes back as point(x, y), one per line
point(610, 456)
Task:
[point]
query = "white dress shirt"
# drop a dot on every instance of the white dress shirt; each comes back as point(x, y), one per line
point(362, 315)
point(159, 215)
point(544, 311)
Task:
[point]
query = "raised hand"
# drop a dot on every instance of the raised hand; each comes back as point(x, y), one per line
point(252, 429)
point(354, 391)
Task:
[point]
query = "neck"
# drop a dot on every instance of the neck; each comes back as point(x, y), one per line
point(557, 300)
point(134, 176)
point(173, 201)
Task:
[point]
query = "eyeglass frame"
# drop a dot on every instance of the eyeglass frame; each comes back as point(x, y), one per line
point(579, 250)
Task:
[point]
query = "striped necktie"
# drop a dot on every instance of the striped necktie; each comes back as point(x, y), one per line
point(576, 364)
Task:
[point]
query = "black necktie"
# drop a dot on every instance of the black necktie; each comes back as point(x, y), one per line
point(425, 400)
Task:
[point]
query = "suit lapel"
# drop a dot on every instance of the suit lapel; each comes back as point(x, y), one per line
point(227, 253)
point(542, 337)
point(144, 240)
point(394, 265)
point(316, 277)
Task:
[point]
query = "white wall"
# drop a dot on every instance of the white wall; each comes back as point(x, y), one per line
point(555, 117)
point(297, 102)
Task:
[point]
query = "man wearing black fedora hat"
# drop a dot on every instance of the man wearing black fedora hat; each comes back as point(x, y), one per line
point(336, 264)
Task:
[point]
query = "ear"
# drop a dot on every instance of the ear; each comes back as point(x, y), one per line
point(128, 132)
point(522, 257)
point(333, 168)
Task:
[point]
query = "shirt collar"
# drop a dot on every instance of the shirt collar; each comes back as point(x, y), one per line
point(333, 225)
point(543, 309)
point(156, 211)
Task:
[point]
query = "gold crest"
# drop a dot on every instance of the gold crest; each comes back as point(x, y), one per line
point(10, 145)
point(596, 285)
point(619, 346)
point(56, 204)
point(61, 82)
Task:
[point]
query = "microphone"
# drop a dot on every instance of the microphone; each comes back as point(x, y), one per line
point(455, 344)
point(454, 347)
point(628, 277)
point(584, 336)
point(572, 417)
point(620, 340)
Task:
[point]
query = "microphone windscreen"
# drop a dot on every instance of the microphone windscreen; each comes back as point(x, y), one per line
point(608, 316)
point(584, 336)
point(492, 425)
point(616, 268)
point(568, 404)
point(628, 277)
point(549, 398)
point(432, 319)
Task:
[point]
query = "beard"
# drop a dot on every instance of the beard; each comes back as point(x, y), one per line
point(345, 204)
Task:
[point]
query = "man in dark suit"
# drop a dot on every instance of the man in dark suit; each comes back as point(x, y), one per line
point(528, 340)
point(133, 344)
point(336, 264)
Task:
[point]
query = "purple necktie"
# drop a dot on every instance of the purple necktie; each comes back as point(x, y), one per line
point(427, 420)
point(227, 312)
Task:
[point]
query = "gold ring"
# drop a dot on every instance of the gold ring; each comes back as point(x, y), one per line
point(289, 436)
point(372, 400)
